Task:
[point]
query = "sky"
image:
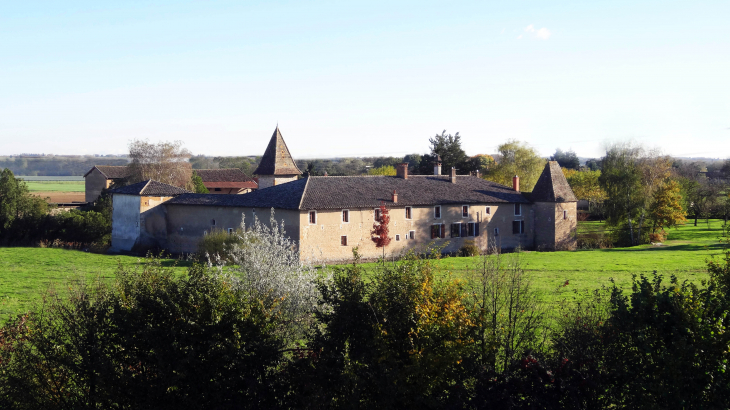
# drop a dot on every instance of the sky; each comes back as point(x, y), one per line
point(364, 78)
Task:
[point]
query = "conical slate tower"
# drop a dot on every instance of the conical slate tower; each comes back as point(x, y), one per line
point(276, 166)
point(555, 210)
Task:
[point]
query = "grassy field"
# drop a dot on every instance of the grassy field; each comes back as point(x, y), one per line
point(27, 272)
point(55, 186)
point(683, 255)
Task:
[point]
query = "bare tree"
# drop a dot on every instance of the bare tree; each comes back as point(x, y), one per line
point(166, 162)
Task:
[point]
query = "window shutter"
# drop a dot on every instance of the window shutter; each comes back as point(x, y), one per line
point(464, 230)
point(515, 227)
point(443, 231)
point(476, 229)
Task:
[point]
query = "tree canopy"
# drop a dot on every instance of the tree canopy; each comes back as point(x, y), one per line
point(449, 148)
point(165, 162)
point(566, 159)
point(517, 158)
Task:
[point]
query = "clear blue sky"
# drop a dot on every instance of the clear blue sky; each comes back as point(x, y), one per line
point(364, 78)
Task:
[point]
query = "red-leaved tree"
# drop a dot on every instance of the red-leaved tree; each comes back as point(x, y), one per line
point(380, 229)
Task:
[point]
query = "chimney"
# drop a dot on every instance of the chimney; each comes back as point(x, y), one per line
point(516, 183)
point(437, 166)
point(401, 170)
point(395, 197)
point(453, 175)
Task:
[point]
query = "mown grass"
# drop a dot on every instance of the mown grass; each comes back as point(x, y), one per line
point(684, 255)
point(26, 272)
point(55, 186)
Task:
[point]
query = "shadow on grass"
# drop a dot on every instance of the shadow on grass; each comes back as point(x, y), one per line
point(683, 247)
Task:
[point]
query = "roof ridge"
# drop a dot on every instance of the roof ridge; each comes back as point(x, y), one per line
point(304, 192)
point(145, 186)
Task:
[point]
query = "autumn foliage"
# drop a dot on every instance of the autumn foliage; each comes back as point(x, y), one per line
point(380, 228)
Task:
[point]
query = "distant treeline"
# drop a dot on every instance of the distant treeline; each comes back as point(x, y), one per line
point(55, 166)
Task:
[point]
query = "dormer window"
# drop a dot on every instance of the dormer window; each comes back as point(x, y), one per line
point(518, 209)
point(345, 216)
point(437, 212)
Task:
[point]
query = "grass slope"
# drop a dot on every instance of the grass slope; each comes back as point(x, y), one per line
point(26, 272)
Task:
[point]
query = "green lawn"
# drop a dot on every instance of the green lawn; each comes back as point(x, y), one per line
point(683, 254)
point(55, 186)
point(27, 272)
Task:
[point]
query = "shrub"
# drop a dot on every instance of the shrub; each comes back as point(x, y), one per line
point(469, 248)
point(218, 245)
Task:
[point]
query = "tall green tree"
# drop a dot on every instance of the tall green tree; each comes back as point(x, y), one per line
point(566, 159)
point(518, 158)
point(621, 180)
point(198, 184)
point(16, 202)
point(448, 147)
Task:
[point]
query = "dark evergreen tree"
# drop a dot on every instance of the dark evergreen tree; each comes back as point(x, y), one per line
point(566, 159)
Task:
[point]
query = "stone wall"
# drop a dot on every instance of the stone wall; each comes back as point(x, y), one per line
point(125, 222)
point(94, 183)
point(323, 239)
point(186, 224)
point(553, 230)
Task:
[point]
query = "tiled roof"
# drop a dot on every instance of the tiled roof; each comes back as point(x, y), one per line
point(284, 196)
point(362, 192)
point(150, 188)
point(111, 171)
point(226, 178)
point(552, 186)
point(277, 160)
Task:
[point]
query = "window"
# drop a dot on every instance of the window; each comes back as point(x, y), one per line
point(496, 231)
point(518, 227)
point(397, 237)
point(455, 230)
point(343, 240)
point(376, 214)
point(408, 212)
point(473, 229)
point(488, 210)
point(411, 234)
point(230, 231)
point(217, 189)
point(438, 231)
point(518, 209)
point(345, 216)
point(465, 211)
point(212, 222)
point(437, 212)
point(565, 214)
point(312, 217)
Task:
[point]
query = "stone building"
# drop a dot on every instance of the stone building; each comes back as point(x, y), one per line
point(101, 177)
point(327, 216)
point(138, 221)
point(277, 166)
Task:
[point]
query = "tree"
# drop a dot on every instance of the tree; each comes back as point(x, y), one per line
point(621, 180)
point(667, 210)
point(566, 159)
point(165, 162)
point(585, 186)
point(384, 170)
point(593, 164)
point(379, 234)
point(482, 163)
point(449, 148)
point(413, 161)
point(16, 202)
point(520, 159)
point(198, 185)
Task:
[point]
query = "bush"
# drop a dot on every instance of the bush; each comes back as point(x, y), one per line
point(218, 245)
point(469, 248)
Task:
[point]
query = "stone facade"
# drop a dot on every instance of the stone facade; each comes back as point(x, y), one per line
point(94, 183)
point(555, 225)
point(266, 181)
